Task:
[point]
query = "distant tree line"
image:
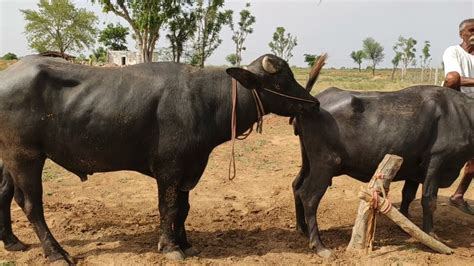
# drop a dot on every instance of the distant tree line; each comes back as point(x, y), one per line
point(405, 55)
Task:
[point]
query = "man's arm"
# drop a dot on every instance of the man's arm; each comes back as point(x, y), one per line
point(467, 82)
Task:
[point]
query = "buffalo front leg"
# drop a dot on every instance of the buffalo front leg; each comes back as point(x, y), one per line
point(10, 241)
point(408, 195)
point(26, 174)
point(301, 225)
point(179, 228)
point(168, 206)
point(311, 192)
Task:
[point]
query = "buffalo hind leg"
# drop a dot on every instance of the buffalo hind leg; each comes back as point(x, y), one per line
point(311, 193)
point(428, 200)
point(26, 174)
point(10, 241)
point(179, 228)
point(168, 207)
point(408, 195)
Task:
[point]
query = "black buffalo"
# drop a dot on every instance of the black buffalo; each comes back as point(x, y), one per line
point(431, 127)
point(160, 119)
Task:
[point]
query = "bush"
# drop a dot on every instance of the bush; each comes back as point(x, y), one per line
point(9, 56)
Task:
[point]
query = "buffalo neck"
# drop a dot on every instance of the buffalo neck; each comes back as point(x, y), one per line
point(246, 110)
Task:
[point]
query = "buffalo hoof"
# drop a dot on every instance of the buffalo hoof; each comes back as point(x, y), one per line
point(190, 252)
point(16, 246)
point(324, 252)
point(176, 255)
point(321, 250)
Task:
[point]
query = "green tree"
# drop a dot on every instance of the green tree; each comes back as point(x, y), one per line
point(9, 56)
point(241, 33)
point(181, 28)
point(358, 56)
point(407, 48)
point(282, 45)
point(58, 25)
point(210, 19)
point(114, 37)
point(425, 58)
point(310, 59)
point(395, 62)
point(99, 55)
point(232, 59)
point(373, 51)
point(146, 17)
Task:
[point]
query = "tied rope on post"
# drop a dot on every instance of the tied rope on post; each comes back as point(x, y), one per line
point(377, 188)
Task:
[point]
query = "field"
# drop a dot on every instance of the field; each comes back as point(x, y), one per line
point(113, 219)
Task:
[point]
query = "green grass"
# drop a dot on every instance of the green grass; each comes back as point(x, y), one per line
point(352, 79)
point(7, 263)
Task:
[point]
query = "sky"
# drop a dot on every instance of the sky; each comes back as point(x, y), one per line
point(333, 26)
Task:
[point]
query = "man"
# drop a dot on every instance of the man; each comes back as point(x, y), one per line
point(459, 69)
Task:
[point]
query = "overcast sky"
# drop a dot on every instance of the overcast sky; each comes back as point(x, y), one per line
point(333, 26)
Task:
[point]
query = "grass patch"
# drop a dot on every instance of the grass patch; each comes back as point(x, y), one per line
point(7, 263)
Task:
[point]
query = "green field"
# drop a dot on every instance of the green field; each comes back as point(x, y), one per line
point(350, 79)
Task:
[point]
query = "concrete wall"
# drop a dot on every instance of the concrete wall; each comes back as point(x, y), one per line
point(126, 57)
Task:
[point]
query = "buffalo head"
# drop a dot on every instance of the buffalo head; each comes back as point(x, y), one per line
point(276, 85)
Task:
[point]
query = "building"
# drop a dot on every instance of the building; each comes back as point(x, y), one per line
point(123, 58)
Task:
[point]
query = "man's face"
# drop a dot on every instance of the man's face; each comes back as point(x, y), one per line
point(467, 34)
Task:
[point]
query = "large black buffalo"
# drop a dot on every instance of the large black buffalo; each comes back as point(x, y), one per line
point(431, 127)
point(160, 119)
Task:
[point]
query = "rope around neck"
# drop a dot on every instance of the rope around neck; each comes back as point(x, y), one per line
point(260, 114)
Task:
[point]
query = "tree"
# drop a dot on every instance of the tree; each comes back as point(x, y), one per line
point(99, 55)
point(58, 25)
point(358, 56)
point(282, 45)
point(232, 59)
point(241, 33)
point(146, 18)
point(9, 56)
point(407, 48)
point(210, 20)
point(425, 57)
point(373, 51)
point(181, 28)
point(114, 37)
point(310, 59)
point(395, 62)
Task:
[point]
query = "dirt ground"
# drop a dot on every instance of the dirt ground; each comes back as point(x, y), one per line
point(113, 219)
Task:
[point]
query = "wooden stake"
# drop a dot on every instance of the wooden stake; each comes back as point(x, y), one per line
point(382, 178)
point(413, 230)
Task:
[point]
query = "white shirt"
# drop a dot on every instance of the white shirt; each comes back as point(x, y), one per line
point(455, 58)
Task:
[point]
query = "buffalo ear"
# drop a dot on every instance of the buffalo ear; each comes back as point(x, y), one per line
point(248, 79)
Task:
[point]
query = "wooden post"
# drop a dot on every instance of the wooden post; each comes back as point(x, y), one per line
point(413, 230)
point(382, 178)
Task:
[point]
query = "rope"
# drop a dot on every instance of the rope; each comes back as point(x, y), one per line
point(290, 97)
point(259, 127)
point(377, 187)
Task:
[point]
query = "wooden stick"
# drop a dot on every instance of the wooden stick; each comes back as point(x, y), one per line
point(398, 218)
point(387, 169)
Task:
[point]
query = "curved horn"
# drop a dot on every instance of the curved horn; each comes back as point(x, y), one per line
point(314, 73)
point(268, 66)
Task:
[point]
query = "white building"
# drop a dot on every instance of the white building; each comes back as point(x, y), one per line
point(123, 58)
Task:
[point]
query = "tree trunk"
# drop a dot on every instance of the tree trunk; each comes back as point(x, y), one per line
point(373, 70)
point(393, 72)
point(359, 68)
